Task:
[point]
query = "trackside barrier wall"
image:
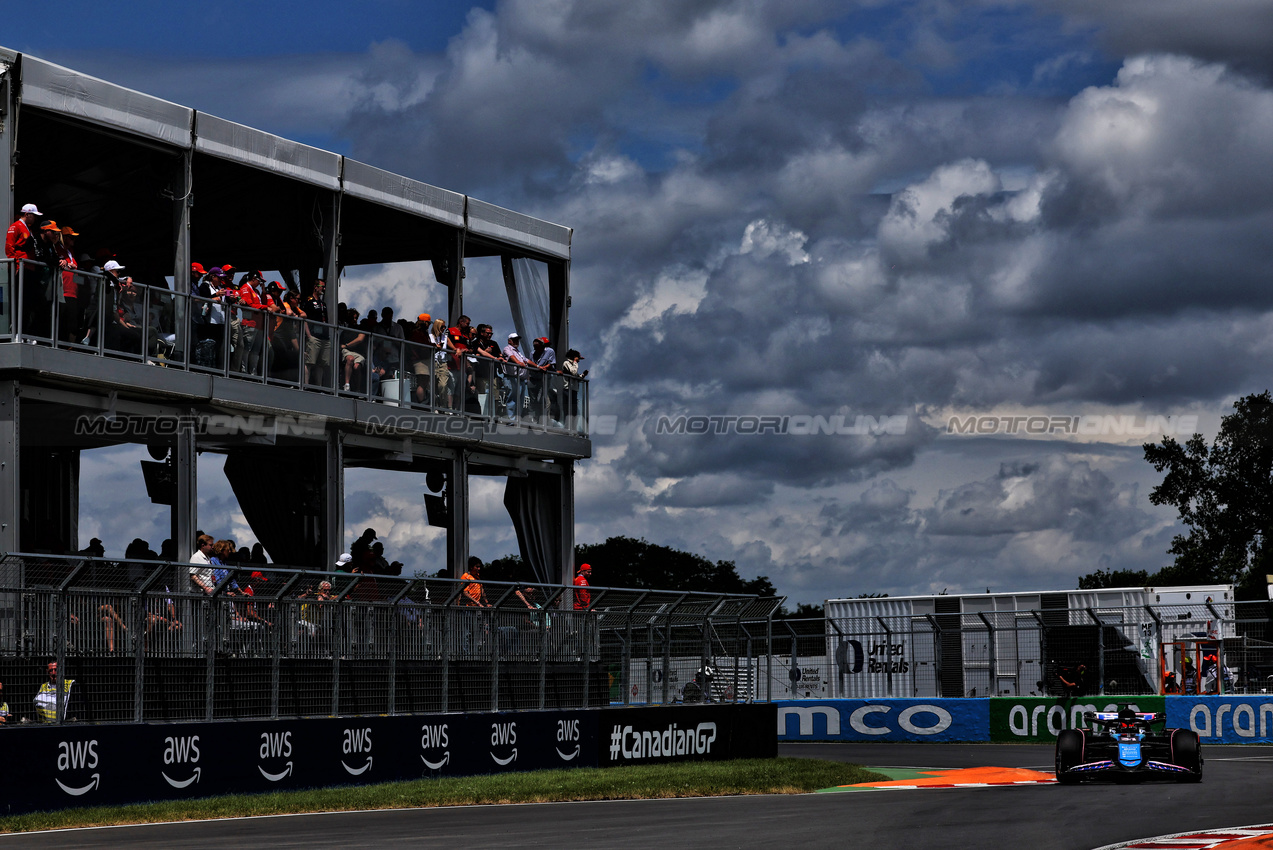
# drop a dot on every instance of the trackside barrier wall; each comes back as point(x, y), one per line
point(1216, 719)
point(1225, 719)
point(90, 765)
point(1040, 720)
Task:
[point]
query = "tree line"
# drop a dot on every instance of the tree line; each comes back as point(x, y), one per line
point(1223, 493)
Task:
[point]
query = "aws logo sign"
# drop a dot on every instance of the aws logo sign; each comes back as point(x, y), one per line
point(567, 734)
point(504, 735)
point(357, 742)
point(73, 759)
point(179, 752)
point(432, 739)
point(276, 746)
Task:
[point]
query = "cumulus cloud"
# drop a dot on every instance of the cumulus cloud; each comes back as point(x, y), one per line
point(1232, 31)
point(780, 210)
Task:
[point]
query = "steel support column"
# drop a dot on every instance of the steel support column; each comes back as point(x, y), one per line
point(334, 497)
point(457, 500)
point(10, 496)
point(185, 513)
point(182, 200)
point(567, 524)
point(8, 141)
point(559, 306)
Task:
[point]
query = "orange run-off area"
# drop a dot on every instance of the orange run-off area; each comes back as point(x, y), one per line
point(964, 777)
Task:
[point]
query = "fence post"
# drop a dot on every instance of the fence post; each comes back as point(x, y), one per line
point(545, 621)
point(1100, 650)
point(210, 637)
point(1157, 662)
point(992, 686)
point(1219, 630)
point(139, 654)
point(393, 652)
point(338, 648)
point(447, 611)
point(492, 629)
point(395, 617)
point(140, 629)
point(835, 662)
point(667, 646)
point(626, 672)
point(794, 669)
point(61, 703)
point(932, 621)
point(769, 655)
point(1043, 650)
point(888, 654)
point(649, 662)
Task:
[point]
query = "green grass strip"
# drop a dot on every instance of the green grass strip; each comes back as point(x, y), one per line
point(644, 782)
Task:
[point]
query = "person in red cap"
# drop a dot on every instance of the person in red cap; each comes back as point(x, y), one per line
point(197, 271)
point(461, 372)
point(582, 597)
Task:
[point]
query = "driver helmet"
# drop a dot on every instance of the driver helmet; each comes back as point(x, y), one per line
point(1127, 718)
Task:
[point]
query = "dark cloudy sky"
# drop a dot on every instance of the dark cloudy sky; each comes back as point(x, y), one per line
point(1057, 208)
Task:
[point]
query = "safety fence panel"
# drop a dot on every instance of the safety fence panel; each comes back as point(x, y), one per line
point(159, 641)
point(1203, 647)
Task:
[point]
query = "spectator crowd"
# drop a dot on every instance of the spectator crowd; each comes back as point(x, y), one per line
point(248, 326)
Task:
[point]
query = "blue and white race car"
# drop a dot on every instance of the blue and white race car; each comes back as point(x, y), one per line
point(1123, 745)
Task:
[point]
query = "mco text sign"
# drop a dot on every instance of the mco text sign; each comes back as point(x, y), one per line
point(883, 720)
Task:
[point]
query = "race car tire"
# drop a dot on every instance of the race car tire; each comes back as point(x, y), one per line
point(1070, 744)
point(1187, 752)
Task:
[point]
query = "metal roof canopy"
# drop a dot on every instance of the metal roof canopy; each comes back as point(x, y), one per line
point(107, 156)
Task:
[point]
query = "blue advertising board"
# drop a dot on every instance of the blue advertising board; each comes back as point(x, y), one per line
point(884, 720)
point(82, 764)
point(1224, 719)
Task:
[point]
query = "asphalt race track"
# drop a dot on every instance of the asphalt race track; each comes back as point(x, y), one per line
point(1237, 789)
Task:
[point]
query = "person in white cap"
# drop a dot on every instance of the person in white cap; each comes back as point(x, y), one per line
point(20, 243)
point(17, 242)
point(122, 312)
point(515, 370)
point(342, 563)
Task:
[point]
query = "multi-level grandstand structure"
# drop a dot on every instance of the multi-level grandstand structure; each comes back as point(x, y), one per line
point(162, 184)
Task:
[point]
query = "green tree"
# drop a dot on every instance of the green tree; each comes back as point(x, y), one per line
point(625, 562)
point(803, 611)
point(1224, 495)
point(1115, 578)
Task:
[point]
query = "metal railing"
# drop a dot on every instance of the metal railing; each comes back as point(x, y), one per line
point(1149, 649)
point(176, 330)
point(142, 642)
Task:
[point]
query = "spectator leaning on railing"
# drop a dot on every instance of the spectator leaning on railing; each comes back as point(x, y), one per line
point(70, 318)
point(201, 578)
point(473, 593)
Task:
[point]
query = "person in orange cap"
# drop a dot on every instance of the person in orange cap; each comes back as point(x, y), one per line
point(420, 354)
